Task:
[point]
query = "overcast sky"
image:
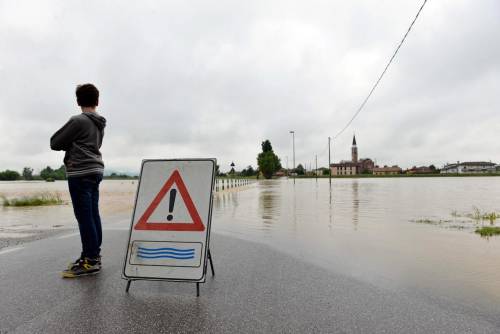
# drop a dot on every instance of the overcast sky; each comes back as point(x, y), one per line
point(215, 78)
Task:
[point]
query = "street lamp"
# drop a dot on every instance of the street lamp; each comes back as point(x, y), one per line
point(293, 145)
point(231, 172)
point(232, 168)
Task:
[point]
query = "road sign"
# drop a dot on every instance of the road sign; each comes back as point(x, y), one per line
point(173, 183)
point(170, 229)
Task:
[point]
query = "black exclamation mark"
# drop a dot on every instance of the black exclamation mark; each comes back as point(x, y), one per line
point(173, 192)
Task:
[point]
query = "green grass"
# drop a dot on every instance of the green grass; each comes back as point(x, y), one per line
point(478, 215)
point(46, 198)
point(467, 220)
point(426, 221)
point(491, 216)
point(488, 231)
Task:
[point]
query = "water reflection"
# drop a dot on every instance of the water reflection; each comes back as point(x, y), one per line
point(330, 207)
point(266, 205)
point(355, 203)
point(227, 201)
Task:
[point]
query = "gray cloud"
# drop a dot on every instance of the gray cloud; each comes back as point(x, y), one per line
point(197, 78)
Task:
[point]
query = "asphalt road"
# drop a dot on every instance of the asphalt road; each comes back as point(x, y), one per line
point(255, 290)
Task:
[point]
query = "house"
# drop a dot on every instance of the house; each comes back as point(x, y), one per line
point(469, 167)
point(394, 170)
point(420, 170)
point(280, 173)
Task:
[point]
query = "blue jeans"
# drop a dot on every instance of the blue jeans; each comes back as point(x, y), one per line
point(84, 193)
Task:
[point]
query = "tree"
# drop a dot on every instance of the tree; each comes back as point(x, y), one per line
point(249, 171)
point(54, 174)
point(266, 146)
point(46, 173)
point(9, 175)
point(60, 173)
point(28, 173)
point(268, 162)
point(300, 170)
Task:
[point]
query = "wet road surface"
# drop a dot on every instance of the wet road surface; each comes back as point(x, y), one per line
point(256, 290)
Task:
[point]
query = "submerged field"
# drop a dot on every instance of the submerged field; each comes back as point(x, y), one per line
point(482, 223)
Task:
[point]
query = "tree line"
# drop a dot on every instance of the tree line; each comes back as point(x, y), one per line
point(47, 174)
point(245, 172)
point(268, 164)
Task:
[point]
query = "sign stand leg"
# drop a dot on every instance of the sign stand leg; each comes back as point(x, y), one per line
point(211, 268)
point(211, 262)
point(128, 285)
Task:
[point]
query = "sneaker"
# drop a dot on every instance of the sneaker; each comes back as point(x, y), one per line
point(71, 264)
point(83, 267)
point(74, 263)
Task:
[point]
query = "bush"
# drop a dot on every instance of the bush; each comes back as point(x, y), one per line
point(55, 174)
point(488, 231)
point(9, 175)
point(34, 200)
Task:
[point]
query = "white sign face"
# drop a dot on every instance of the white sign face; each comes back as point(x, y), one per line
point(170, 228)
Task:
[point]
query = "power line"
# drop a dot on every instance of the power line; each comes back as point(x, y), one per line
point(383, 72)
point(324, 151)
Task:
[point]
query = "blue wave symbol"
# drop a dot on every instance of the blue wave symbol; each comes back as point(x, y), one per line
point(178, 250)
point(165, 253)
point(165, 257)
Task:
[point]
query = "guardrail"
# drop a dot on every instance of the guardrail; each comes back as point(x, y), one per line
point(222, 184)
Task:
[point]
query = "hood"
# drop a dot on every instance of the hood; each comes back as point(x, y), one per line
point(98, 120)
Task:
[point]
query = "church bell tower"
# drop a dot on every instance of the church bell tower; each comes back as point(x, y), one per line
point(354, 150)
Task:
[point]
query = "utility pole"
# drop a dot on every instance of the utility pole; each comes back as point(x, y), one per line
point(293, 145)
point(329, 160)
point(287, 171)
point(316, 170)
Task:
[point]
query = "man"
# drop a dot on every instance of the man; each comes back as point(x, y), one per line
point(81, 138)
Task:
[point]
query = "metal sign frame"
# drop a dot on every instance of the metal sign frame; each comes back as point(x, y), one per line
point(207, 254)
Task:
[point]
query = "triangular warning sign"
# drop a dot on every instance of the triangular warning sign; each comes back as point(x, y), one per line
point(197, 225)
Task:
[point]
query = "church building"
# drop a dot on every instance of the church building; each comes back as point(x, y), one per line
point(355, 166)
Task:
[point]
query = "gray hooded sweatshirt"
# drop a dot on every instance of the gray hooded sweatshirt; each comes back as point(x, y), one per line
point(81, 138)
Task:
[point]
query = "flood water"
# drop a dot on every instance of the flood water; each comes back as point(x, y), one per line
point(369, 229)
point(116, 203)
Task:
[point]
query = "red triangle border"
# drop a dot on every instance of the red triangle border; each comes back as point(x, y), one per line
point(196, 226)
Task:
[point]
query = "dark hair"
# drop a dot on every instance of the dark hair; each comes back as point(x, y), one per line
point(87, 95)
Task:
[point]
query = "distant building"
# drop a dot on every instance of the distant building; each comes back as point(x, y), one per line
point(322, 171)
point(394, 170)
point(469, 167)
point(420, 170)
point(354, 166)
point(280, 173)
point(367, 165)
